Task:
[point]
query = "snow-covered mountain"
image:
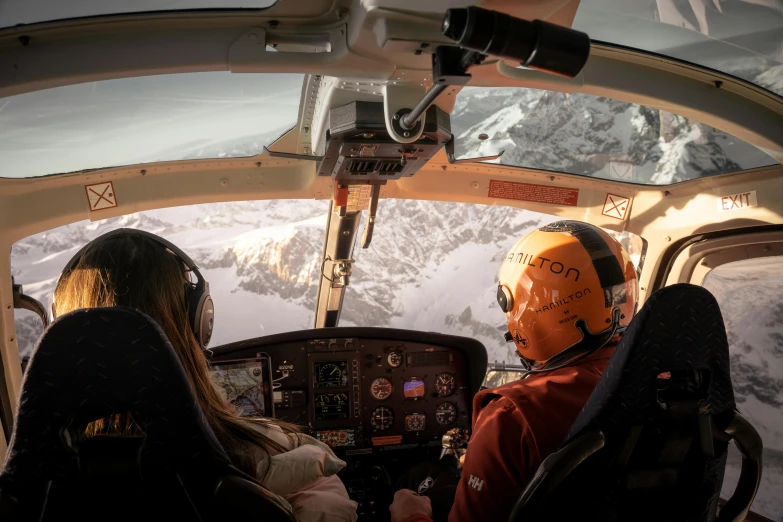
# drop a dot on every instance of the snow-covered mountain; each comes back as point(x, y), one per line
point(261, 259)
point(594, 136)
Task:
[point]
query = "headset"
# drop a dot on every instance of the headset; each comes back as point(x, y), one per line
point(201, 309)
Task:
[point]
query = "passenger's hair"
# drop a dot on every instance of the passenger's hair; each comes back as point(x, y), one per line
point(134, 271)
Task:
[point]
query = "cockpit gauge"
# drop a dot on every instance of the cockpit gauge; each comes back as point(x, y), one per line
point(413, 389)
point(445, 413)
point(381, 418)
point(445, 384)
point(415, 422)
point(329, 372)
point(332, 374)
point(381, 388)
point(394, 359)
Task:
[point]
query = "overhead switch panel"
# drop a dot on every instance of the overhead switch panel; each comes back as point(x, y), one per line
point(359, 148)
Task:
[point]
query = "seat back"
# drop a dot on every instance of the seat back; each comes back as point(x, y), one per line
point(651, 441)
point(90, 364)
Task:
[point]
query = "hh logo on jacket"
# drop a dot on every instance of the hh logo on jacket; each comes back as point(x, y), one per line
point(475, 483)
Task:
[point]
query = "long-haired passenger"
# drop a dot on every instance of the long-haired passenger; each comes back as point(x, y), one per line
point(130, 268)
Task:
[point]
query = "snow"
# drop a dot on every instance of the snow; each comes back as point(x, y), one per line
point(772, 79)
point(242, 315)
point(582, 134)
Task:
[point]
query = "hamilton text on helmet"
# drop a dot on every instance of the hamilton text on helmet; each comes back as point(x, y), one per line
point(564, 301)
point(542, 263)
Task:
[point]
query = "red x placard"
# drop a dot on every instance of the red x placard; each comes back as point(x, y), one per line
point(616, 206)
point(101, 196)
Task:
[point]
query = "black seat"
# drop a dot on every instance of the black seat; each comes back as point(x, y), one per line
point(88, 365)
point(651, 442)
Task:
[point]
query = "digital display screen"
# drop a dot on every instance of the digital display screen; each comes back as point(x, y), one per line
point(331, 406)
point(413, 389)
point(330, 374)
point(337, 438)
point(244, 385)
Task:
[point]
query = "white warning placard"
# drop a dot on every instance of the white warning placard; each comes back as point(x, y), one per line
point(359, 197)
point(621, 170)
point(101, 196)
point(737, 201)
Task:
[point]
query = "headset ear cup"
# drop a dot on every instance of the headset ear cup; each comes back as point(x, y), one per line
point(206, 321)
point(201, 312)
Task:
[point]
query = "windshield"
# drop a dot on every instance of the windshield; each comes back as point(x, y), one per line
point(433, 266)
point(15, 12)
point(593, 136)
point(261, 259)
point(142, 120)
point(743, 38)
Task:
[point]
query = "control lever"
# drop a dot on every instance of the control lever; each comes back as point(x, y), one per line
point(455, 443)
point(455, 438)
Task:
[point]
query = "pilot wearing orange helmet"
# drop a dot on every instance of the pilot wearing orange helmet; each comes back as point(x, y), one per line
point(568, 290)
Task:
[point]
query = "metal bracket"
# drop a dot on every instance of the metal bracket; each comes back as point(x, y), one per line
point(291, 155)
point(398, 100)
point(450, 155)
point(341, 272)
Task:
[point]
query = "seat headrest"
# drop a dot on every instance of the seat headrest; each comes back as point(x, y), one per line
point(679, 328)
point(90, 364)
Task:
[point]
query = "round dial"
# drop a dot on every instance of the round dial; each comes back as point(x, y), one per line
point(444, 384)
point(329, 372)
point(415, 422)
point(381, 418)
point(381, 388)
point(394, 359)
point(445, 413)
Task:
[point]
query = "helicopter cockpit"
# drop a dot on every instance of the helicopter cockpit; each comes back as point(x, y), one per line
point(348, 175)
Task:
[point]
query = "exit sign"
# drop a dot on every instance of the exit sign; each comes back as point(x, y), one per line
point(737, 201)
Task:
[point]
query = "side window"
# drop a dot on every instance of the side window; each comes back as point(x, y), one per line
point(749, 293)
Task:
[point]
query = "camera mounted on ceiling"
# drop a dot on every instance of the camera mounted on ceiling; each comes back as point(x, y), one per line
point(480, 33)
point(370, 143)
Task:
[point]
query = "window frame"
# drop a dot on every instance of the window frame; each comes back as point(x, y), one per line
point(695, 257)
point(696, 260)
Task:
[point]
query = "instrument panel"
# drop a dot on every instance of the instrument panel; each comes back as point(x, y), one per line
point(360, 390)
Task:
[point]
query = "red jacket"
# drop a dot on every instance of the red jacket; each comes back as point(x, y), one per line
point(515, 427)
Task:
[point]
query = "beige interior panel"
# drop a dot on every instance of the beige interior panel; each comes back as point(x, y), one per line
point(694, 262)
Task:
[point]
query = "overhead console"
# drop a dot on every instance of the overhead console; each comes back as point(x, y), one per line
point(359, 390)
point(359, 147)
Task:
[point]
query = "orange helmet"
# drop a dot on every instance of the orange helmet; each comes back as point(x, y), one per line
point(563, 282)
